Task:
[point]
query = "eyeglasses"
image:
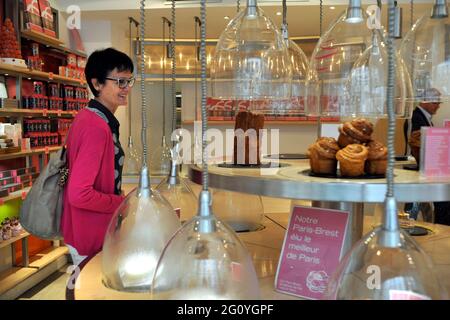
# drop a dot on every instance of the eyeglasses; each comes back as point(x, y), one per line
point(122, 83)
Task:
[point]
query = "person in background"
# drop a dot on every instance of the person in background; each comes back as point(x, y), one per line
point(95, 157)
point(422, 117)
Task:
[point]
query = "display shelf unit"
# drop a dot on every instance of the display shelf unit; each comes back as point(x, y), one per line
point(8, 242)
point(47, 256)
point(17, 279)
point(12, 277)
point(42, 38)
point(13, 196)
point(36, 112)
point(7, 69)
point(20, 154)
point(50, 42)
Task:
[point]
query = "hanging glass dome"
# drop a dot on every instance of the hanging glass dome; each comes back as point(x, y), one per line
point(160, 159)
point(175, 190)
point(241, 211)
point(180, 196)
point(132, 163)
point(332, 61)
point(205, 260)
point(367, 84)
point(135, 238)
point(300, 64)
point(251, 63)
point(374, 271)
point(424, 50)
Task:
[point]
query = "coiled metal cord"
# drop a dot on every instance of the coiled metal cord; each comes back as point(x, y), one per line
point(321, 17)
point(411, 13)
point(390, 101)
point(197, 24)
point(205, 178)
point(143, 97)
point(238, 6)
point(174, 65)
point(164, 20)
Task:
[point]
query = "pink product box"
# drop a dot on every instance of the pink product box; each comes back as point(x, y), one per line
point(28, 183)
point(12, 187)
point(17, 172)
point(3, 193)
point(26, 178)
point(6, 181)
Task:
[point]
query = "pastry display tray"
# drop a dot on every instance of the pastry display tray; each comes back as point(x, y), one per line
point(338, 175)
point(253, 166)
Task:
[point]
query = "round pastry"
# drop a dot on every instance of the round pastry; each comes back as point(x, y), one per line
point(344, 139)
point(376, 163)
point(352, 159)
point(322, 156)
point(414, 144)
point(356, 131)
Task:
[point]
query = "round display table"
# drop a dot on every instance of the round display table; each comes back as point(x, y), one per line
point(264, 247)
point(293, 181)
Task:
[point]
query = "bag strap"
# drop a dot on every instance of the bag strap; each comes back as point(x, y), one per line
point(64, 148)
point(63, 153)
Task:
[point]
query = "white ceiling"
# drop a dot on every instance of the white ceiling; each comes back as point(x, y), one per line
point(302, 16)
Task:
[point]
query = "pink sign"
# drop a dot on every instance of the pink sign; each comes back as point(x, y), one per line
point(311, 251)
point(436, 152)
point(446, 123)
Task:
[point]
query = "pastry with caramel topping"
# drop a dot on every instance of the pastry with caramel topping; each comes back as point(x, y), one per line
point(322, 156)
point(357, 131)
point(376, 163)
point(352, 160)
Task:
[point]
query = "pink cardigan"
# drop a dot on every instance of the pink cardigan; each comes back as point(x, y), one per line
point(89, 199)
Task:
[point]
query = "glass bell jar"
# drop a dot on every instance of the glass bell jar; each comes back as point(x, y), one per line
point(376, 271)
point(160, 159)
point(300, 64)
point(136, 236)
point(205, 260)
point(177, 192)
point(241, 211)
point(132, 163)
point(251, 65)
point(180, 196)
point(424, 50)
point(332, 61)
point(367, 84)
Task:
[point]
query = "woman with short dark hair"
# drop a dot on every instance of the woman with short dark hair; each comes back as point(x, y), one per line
point(94, 155)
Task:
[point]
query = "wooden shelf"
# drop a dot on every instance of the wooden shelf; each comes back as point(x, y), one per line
point(49, 41)
point(33, 112)
point(13, 276)
point(47, 256)
point(14, 195)
point(6, 243)
point(7, 156)
point(42, 38)
point(39, 75)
